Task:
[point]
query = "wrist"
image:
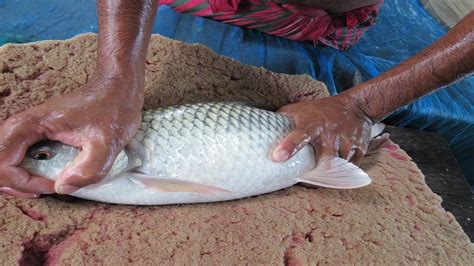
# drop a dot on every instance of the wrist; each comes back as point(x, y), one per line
point(358, 105)
point(123, 67)
point(125, 87)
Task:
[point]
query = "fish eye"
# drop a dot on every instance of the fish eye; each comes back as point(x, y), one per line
point(42, 155)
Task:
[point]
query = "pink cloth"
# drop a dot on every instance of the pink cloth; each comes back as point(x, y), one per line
point(294, 22)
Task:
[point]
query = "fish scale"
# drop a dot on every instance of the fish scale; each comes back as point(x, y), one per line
point(201, 153)
point(212, 142)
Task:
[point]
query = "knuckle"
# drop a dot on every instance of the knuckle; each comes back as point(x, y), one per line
point(103, 143)
point(14, 126)
point(19, 183)
point(363, 147)
point(360, 150)
point(111, 146)
point(284, 109)
point(88, 178)
point(302, 136)
point(112, 138)
point(95, 178)
point(17, 121)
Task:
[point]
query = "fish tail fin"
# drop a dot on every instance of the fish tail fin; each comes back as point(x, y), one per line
point(335, 172)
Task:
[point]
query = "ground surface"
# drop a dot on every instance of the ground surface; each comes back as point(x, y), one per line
point(395, 220)
point(431, 153)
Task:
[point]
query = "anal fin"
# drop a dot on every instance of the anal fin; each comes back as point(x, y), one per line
point(173, 185)
point(335, 172)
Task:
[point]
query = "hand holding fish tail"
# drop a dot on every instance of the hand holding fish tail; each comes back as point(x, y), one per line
point(341, 125)
point(334, 126)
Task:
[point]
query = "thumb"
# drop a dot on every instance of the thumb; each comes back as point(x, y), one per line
point(18, 179)
point(290, 145)
point(90, 166)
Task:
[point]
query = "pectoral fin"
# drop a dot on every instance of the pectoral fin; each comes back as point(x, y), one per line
point(168, 185)
point(336, 172)
point(376, 130)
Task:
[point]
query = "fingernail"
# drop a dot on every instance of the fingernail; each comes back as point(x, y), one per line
point(67, 189)
point(281, 155)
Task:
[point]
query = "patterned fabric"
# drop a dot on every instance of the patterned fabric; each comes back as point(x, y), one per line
point(299, 23)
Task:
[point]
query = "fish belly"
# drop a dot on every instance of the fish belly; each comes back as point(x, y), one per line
point(214, 144)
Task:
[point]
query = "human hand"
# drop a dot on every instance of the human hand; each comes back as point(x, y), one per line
point(334, 126)
point(99, 118)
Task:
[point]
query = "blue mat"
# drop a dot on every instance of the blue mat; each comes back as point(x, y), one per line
point(404, 28)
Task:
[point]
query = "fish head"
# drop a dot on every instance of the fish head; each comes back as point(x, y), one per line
point(48, 158)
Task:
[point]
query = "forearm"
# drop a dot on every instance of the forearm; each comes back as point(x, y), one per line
point(449, 59)
point(124, 33)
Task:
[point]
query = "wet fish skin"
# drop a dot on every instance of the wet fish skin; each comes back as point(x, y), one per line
point(199, 153)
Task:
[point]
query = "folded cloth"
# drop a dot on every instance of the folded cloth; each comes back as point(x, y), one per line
point(294, 22)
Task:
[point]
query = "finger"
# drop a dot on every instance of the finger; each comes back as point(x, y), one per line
point(18, 179)
point(290, 145)
point(15, 139)
point(346, 150)
point(358, 156)
point(90, 166)
point(17, 194)
point(326, 147)
point(286, 109)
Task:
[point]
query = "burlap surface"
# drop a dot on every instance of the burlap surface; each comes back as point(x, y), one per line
point(396, 220)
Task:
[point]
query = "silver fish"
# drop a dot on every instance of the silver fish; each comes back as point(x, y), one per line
point(200, 153)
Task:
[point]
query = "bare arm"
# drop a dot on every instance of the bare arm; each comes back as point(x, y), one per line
point(341, 125)
point(124, 34)
point(446, 61)
point(112, 97)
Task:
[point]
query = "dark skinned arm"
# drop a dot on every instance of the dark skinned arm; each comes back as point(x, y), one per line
point(340, 125)
point(446, 61)
point(101, 117)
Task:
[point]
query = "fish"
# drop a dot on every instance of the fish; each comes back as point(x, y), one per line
point(197, 153)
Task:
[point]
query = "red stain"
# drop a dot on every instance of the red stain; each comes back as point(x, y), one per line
point(211, 219)
point(414, 171)
point(35, 215)
point(291, 259)
point(345, 242)
point(398, 156)
point(419, 188)
point(417, 227)
point(410, 200)
point(391, 147)
point(54, 254)
point(298, 239)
